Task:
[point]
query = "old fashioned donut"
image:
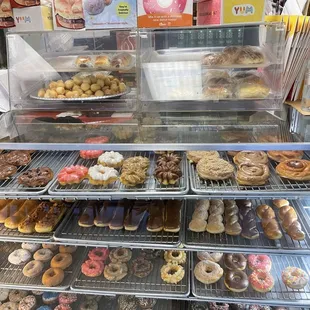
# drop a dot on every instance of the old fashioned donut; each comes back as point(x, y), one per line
point(294, 277)
point(61, 260)
point(259, 262)
point(53, 277)
point(52, 247)
point(33, 269)
point(235, 261)
point(17, 295)
point(236, 280)
point(100, 254)
point(121, 255)
point(172, 273)
point(19, 257)
point(67, 298)
point(261, 281)
point(27, 303)
point(175, 257)
point(91, 268)
point(208, 272)
point(115, 271)
point(43, 255)
point(67, 249)
point(9, 306)
point(72, 175)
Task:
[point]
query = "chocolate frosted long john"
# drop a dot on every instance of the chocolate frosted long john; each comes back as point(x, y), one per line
point(88, 215)
point(155, 221)
point(134, 216)
point(172, 216)
point(117, 221)
point(104, 215)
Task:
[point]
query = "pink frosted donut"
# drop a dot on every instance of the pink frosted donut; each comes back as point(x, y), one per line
point(90, 154)
point(98, 254)
point(259, 262)
point(67, 298)
point(63, 307)
point(261, 281)
point(72, 175)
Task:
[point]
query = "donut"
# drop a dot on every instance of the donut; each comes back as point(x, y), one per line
point(211, 256)
point(63, 307)
point(172, 273)
point(43, 255)
point(101, 175)
point(141, 267)
point(67, 298)
point(127, 302)
point(261, 281)
point(44, 308)
point(175, 257)
point(294, 277)
point(31, 247)
point(91, 268)
point(53, 277)
point(150, 254)
point(19, 257)
point(100, 254)
point(67, 249)
point(9, 306)
point(259, 307)
point(146, 303)
point(4, 294)
point(18, 158)
point(50, 297)
point(115, 271)
point(121, 255)
point(27, 303)
point(36, 177)
point(218, 306)
point(17, 295)
point(111, 159)
point(89, 305)
point(61, 260)
point(37, 293)
point(235, 261)
point(52, 247)
point(261, 262)
point(236, 280)
point(97, 140)
point(208, 272)
point(33, 269)
point(72, 175)
point(90, 154)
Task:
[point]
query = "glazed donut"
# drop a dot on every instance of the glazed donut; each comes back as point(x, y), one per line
point(52, 247)
point(172, 273)
point(115, 271)
point(72, 175)
point(43, 255)
point(236, 280)
point(63, 307)
point(259, 262)
point(261, 281)
point(111, 159)
point(294, 277)
point(100, 254)
point(17, 295)
point(89, 305)
point(280, 156)
point(67, 249)
point(91, 268)
point(27, 303)
point(61, 260)
point(208, 272)
point(175, 257)
point(295, 169)
point(66, 298)
point(121, 255)
point(9, 306)
point(33, 269)
point(19, 257)
point(235, 261)
point(31, 247)
point(195, 156)
point(211, 256)
point(53, 277)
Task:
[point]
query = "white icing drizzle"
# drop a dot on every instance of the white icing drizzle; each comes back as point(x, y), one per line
point(101, 173)
point(111, 158)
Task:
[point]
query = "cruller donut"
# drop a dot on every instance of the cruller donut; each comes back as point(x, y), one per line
point(175, 257)
point(172, 273)
point(72, 175)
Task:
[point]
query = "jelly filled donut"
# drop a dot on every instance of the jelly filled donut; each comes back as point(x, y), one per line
point(236, 280)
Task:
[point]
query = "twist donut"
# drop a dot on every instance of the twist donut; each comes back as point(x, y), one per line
point(208, 272)
point(172, 273)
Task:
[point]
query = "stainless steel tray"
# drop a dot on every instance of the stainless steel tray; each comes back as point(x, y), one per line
point(279, 295)
point(11, 276)
point(275, 185)
point(150, 187)
point(70, 231)
point(151, 286)
point(225, 243)
point(52, 159)
point(76, 100)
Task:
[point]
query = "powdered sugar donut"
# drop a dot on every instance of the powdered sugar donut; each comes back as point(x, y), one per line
point(111, 159)
point(31, 247)
point(19, 257)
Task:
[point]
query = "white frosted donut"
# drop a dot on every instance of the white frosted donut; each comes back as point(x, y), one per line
point(211, 256)
point(19, 257)
point(111, 159)
point(31, 247)
point(101, 173)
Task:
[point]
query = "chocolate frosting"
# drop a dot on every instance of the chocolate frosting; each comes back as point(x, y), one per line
point(236, 279)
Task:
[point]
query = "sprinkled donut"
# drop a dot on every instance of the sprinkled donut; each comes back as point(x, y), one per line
point(111, 159)
point(261, 281)
point(63, 307)
point(72, 175)
point(9, 306)
point(27, 303)
point(260, 262)
point(294, 277)
point(100, 254)
point(66, 298)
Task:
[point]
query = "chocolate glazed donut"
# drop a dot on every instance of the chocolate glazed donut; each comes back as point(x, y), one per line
point(235, 261)
point(236, 280)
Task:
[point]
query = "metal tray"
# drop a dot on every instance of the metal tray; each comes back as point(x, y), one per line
point(11, 276)
point(152, 285)
point(279, 295)
point(52, 159)
point(150, 187)
point(76, 100)
point(226, 243)
point(275, 185)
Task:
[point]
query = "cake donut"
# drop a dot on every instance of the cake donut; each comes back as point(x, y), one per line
point(43, 255)
point(115, 271)
point(9, 306)
point(53, 277)
point(175, 257)
point(27, 303)
point(19, 257)
point(100, 175)
point(67, 249)
point(261, 281)
point(208, 272)
point(66, 298)
point(91, 268)
point(236, 280)
point(121, 255)
point(33, 269)
point(72, 175)
point(100, 254)
point(259, 262)
point(111, 159)
point(294, 277)
point(211, 256)
point(17, 295)
point(61, 260)
point(235, 261)
point(31, 247)
point(172, 273)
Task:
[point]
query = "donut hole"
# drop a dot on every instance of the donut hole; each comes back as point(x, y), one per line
point(175, 253)
point(172, 271)
point(114, 269)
